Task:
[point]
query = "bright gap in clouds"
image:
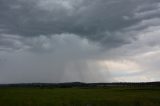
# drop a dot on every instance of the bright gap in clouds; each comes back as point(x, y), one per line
point(125, 70)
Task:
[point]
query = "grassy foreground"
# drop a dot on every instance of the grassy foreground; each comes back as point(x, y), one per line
point(80, 97)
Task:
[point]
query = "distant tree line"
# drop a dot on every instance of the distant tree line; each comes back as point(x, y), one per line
point(80, 84)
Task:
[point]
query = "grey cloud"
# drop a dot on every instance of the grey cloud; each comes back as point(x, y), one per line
point(11, 42)
point(102, 21)
point(147, 11)
point(87, 18)
point(72, 59)
point(63, 40)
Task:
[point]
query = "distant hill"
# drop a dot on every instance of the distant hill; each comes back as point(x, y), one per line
point(81, 84)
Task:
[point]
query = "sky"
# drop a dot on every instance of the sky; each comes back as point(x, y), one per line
point(52, 41)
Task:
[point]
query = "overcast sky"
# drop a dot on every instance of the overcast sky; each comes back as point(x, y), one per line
point(79, 40)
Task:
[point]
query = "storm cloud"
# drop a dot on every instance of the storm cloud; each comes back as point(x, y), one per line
point(79, 40)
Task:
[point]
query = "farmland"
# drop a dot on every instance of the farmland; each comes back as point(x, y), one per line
point(80, 96)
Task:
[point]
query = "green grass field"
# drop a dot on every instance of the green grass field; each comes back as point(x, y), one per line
point(80, 97)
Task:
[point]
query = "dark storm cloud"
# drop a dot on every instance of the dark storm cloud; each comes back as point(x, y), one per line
point(78, 40)
point(97, 20)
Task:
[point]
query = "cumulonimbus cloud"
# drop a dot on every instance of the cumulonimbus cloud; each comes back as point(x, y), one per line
point(70, 40)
